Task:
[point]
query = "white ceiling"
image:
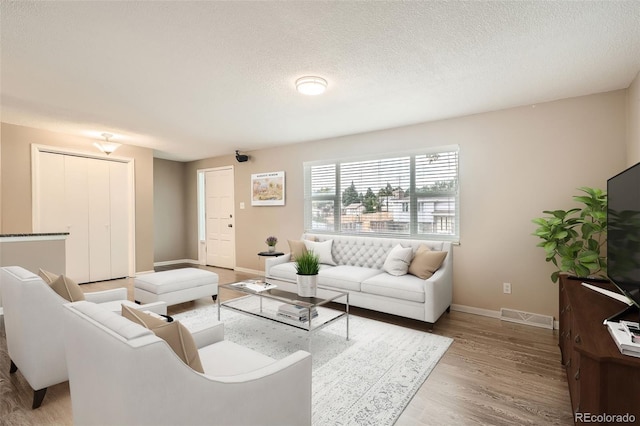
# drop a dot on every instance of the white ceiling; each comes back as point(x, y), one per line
point(199, 79)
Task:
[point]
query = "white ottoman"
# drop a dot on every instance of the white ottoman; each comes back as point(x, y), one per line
point(175, 286)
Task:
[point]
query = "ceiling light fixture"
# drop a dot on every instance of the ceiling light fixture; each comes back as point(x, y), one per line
point(311, 86)
point(107, 146)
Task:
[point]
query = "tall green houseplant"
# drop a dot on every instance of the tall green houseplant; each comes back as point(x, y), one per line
point(573, 239)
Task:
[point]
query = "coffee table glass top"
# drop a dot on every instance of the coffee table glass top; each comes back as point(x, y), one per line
point(276, 304)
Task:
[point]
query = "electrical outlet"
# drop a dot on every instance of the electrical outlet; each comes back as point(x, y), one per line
point(506, 288)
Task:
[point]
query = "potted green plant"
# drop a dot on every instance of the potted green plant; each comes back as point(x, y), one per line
point(307, 268)
point(271, 243)
point(573, 239)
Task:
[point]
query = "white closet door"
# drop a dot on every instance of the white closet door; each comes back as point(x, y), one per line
point(119, 200)
point(77, 217)
point(91, 199)
point(99, 221)
point(51, 200)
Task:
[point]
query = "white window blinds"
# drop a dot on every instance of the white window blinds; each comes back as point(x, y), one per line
point(413, 195)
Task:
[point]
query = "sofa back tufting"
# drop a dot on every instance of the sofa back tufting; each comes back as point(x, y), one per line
point(367, 251)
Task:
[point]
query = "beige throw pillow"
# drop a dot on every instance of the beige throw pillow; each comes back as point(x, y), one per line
point(398, 260)
point(425, 262)
point(141, 318)
point(297, 249)
point(67, 288)
point(174, 333)
point(47, 277)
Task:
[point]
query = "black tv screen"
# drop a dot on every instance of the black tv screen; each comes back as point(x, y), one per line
point(623, 232)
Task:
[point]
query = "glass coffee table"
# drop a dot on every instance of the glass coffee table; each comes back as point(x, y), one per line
point(272, 300)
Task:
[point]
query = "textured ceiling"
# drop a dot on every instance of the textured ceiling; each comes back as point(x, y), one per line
point(198, 79)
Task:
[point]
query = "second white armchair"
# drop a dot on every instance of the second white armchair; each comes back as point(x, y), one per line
point(135, 378)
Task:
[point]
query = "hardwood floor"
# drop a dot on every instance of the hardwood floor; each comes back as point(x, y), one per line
point(494, 373)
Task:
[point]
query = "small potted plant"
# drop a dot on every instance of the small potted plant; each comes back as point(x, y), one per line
point(271, 243)
point(307, 268)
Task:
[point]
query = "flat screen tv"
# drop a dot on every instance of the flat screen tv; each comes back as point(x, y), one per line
point(623, 232)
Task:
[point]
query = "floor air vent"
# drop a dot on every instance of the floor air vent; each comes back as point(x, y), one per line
point(537, 320)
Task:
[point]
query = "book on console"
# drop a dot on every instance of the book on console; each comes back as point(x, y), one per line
point(623, 339)
point(632, 329)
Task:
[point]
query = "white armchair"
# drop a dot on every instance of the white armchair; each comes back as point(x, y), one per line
point(135, 378)
point(33, 317)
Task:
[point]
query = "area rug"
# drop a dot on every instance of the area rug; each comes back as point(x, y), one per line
point(367, 380)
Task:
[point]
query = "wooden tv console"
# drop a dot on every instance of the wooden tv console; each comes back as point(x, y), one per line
point(601, 380)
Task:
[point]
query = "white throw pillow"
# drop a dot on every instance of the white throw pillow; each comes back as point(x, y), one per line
point(322, 250)
point(398, 260)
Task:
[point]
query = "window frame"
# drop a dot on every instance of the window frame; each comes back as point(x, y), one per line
point(415, 199)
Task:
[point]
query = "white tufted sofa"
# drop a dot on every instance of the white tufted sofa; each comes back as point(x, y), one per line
point(359, 271)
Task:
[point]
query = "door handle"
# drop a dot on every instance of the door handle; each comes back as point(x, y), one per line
point(229, 226)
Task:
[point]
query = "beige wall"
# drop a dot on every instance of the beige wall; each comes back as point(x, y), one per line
point(633, 122)
point(169, 210)
point(33, 255)
point(16, 182)
point(514, 164)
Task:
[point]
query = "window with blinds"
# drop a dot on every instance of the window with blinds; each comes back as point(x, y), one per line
point(413, 194)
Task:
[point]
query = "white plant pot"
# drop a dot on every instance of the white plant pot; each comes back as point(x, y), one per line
point(307, 285)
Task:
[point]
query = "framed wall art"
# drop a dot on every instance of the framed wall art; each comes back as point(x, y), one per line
point(267, 189)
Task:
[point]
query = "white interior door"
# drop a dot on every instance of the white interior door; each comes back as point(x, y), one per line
point(219, 214)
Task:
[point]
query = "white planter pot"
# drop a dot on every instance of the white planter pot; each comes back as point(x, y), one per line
point(307, 285)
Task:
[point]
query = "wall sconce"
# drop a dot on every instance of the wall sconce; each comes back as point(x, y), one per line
point(107, 146)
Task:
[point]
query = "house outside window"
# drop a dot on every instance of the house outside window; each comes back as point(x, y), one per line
point(414, 195)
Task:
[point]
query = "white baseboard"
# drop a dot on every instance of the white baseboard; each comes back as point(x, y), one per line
point(175, 262)
point(487, 313)
point(249, 271)
point(476, 311)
